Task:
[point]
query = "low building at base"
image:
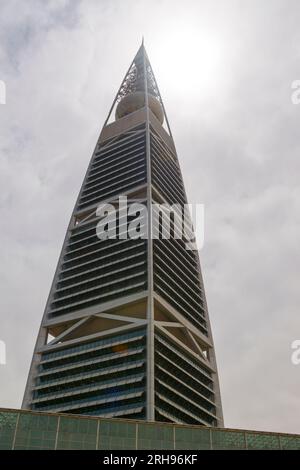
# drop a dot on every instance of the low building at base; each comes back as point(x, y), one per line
point(29, 430)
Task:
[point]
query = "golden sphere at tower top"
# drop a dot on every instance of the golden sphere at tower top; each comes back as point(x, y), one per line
point(135, 101)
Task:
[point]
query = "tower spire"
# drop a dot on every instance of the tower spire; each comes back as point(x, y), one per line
point(135, 81)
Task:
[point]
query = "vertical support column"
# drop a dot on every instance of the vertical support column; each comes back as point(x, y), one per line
point(136, 435)
point(15, 433)
point(57, 431)
point(98, 433)
point(150, 303)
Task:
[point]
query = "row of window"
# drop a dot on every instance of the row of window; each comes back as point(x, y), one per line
point(106, 341)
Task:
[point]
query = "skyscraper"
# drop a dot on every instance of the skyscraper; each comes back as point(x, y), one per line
point(126, 331)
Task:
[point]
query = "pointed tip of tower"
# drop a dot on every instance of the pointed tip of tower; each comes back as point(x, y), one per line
point(142, 46)
point(141, 50)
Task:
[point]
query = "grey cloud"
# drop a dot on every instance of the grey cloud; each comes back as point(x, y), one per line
point(238, 145)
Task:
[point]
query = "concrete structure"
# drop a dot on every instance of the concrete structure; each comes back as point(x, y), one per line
point(30, 430)
point(126, 331)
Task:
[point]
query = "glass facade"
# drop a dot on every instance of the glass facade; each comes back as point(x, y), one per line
point(192, 438)
point(155, 436)
point(36, 432)
point(8, 423)
point(184, 390)
point(30, 430)
point(126, 270)
point(77, 434)
point(117, 435)
point(103, 377)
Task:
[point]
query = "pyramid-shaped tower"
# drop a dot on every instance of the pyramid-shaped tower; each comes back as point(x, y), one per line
point(126, 332)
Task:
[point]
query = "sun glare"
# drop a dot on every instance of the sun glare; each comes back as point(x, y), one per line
point(192, 59)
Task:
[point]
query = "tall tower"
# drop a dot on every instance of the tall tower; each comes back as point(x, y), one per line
point(126, 332)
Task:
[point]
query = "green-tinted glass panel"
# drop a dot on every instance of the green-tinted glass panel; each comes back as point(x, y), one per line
point(228, 439)
point(262, 441)
point(29, 430)
point(36, 431)
point(155, 436)
point(290, 442)
point(77, 433)
point(115, 435)
point(192, 438)
point(7, 429)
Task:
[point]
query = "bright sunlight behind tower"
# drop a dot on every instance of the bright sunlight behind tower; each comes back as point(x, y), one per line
point(190, 52)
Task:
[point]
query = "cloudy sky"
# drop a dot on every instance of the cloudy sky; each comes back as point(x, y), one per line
point(225, 70)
